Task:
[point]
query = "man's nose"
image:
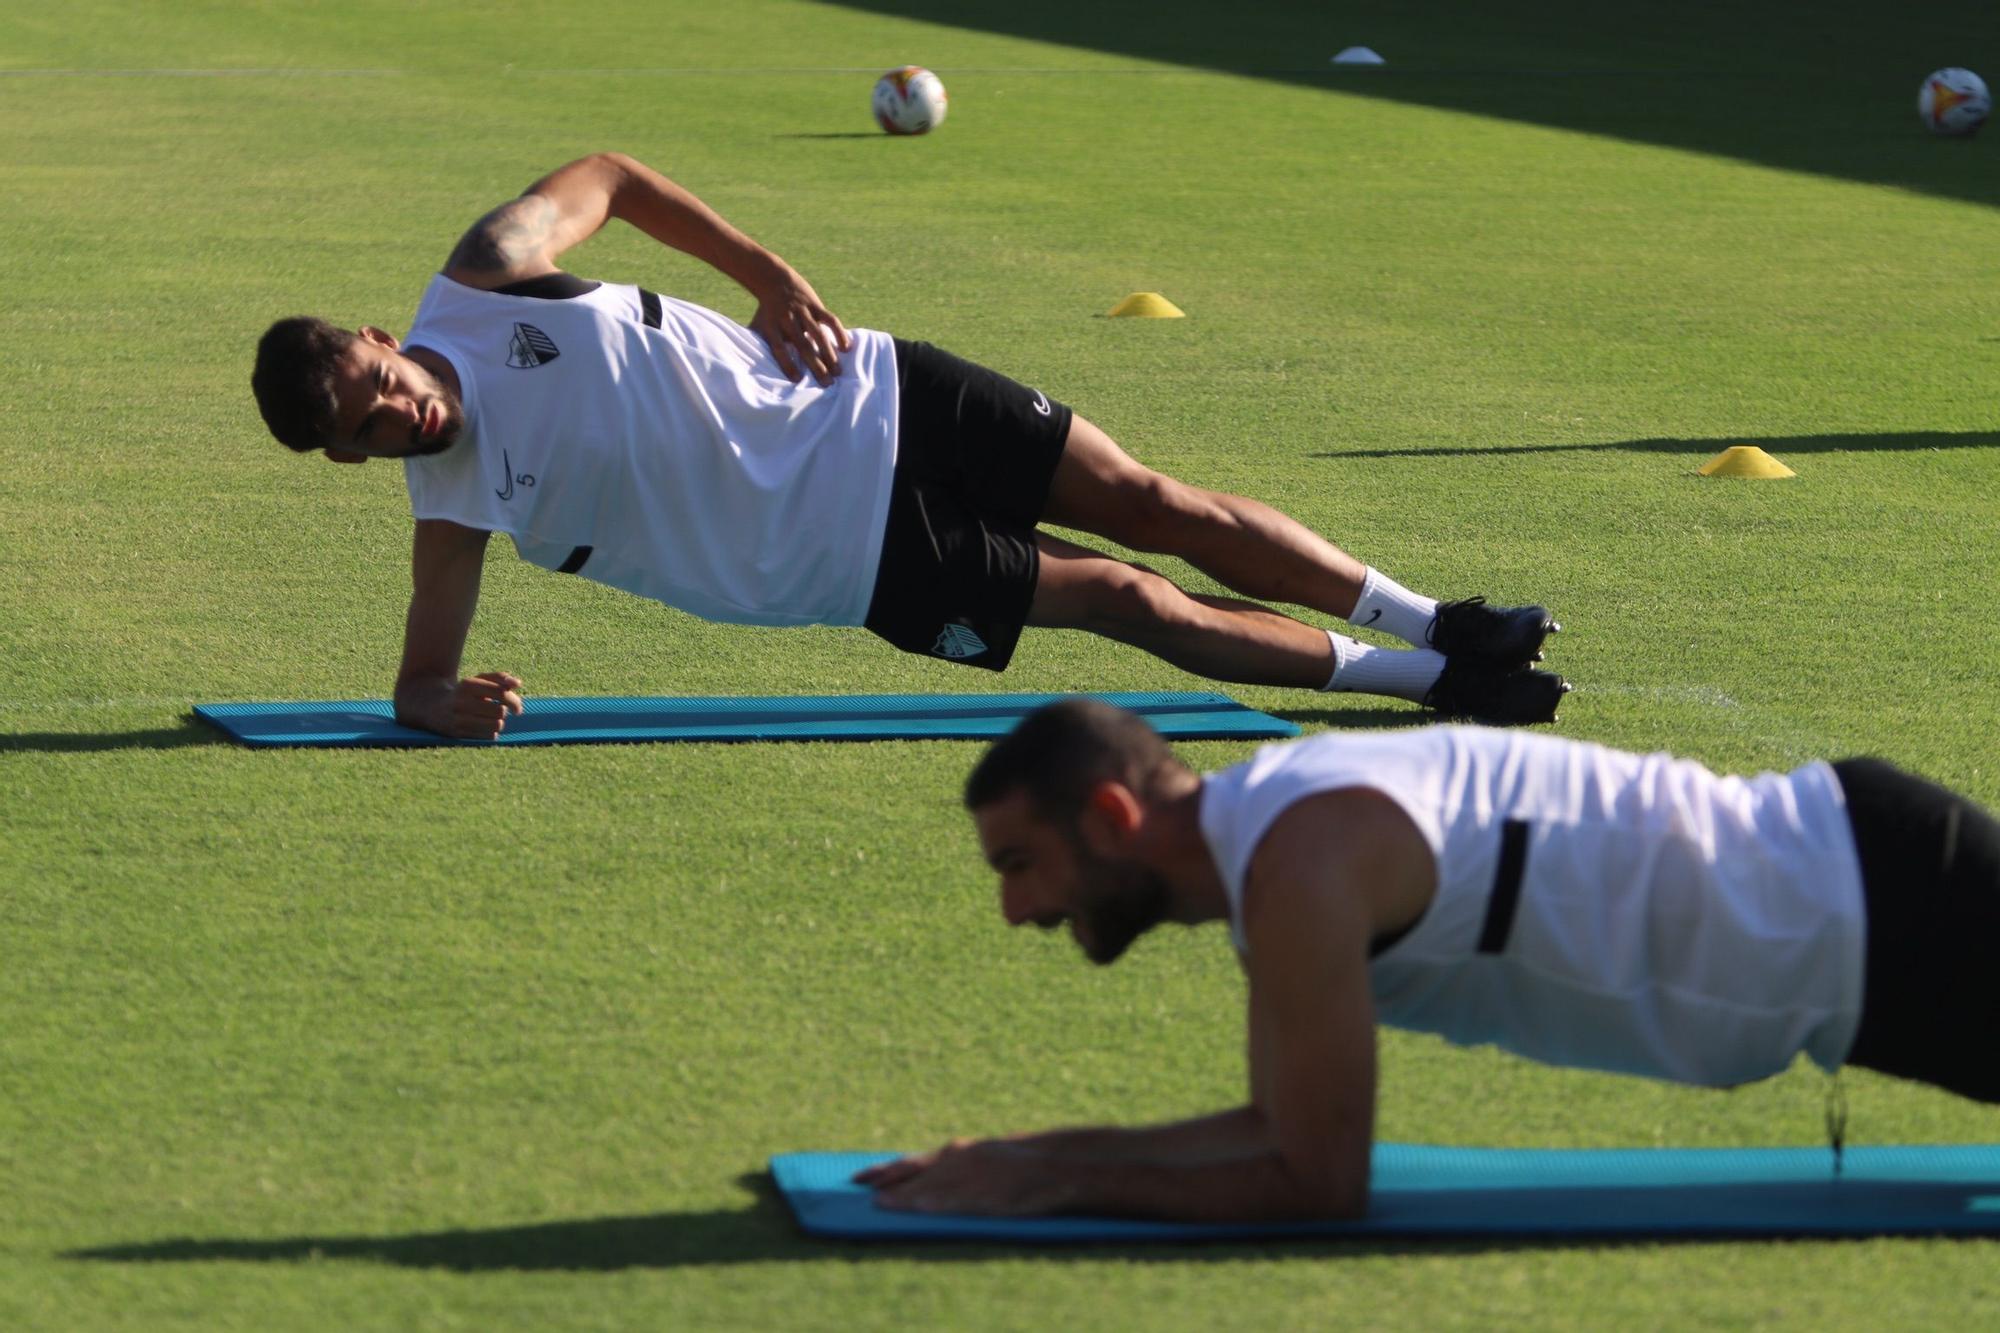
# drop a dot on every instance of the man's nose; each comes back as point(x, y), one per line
point(1015, 905)
point(1021, 909)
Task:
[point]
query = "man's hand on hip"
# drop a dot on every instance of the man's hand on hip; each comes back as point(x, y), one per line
point(804, 335)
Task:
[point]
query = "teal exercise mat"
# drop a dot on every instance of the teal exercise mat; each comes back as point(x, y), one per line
point(849, 717)
point(1422, 1191)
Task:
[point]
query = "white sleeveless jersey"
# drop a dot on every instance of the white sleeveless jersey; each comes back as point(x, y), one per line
point(654, 445)
point(1632, 913)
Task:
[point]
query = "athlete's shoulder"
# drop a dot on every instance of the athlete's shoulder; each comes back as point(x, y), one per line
point(1353, 840)
point(509, 244)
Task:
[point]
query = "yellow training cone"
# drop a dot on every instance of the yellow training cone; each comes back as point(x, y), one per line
point(1147, 305)
point(1745, 460)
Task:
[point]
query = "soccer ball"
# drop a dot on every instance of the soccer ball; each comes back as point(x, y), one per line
point(911, 100)
point(1954, 101)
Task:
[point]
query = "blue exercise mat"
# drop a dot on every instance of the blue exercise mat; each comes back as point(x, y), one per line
point(1421, 1191)
point(857, 717)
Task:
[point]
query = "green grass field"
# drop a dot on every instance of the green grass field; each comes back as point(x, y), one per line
point(502, 1039)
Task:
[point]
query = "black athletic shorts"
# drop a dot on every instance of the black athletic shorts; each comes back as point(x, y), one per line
point(974, 458)
point(1930, 872)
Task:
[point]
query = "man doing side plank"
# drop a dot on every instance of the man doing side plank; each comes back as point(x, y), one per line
point(659, 447)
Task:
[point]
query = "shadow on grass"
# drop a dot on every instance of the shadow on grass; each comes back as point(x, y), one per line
point(1354, 719)
point(192, 731)
point(1916, 441)
point(695, 1240)
point(760, 1233)
point(1827, 87)
point(765, 1231)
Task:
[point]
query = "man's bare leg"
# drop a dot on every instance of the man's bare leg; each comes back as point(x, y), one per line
point(1211, 636)
point(1241, 543)
point(1231, 640)
point(1255, 550)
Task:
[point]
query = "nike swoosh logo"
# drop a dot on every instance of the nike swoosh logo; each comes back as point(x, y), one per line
point(1374, 617)
point(1041, 402)
point(508, 466)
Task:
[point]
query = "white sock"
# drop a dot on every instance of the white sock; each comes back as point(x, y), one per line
point(1401, 673)
point(1387, 605)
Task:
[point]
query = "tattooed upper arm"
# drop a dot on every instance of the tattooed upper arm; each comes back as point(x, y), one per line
point(507, 241)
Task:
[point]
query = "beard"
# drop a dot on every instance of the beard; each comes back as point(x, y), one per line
point(451, 421)
point(1126, 901)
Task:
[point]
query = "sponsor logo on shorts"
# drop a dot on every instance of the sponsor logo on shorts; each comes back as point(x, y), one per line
point(530, 347)
point(1041, 403)
point(956, 641)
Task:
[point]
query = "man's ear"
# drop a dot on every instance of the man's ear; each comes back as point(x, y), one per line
point(1111, 815)
point(342, 456)
point(380, 336)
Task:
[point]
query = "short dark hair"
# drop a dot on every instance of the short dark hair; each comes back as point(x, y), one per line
point(1061, 751)
point(296, 362)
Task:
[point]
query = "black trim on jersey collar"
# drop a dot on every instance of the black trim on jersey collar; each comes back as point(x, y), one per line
point(649, 308)
point(550, 287)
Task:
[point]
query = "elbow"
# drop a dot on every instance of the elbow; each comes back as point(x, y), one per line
point(1328, 1203)
point(618, 168)
point(615, 174)
point(1348, 1204)
point(1319, 1194)
point(606, 169)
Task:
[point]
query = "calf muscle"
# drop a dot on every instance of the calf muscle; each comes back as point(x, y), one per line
point(1218, 637)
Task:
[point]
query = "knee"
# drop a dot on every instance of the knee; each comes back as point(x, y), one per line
point(1152, 508)
point(1129, 597)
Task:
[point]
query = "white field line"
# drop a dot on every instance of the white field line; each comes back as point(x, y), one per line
point(518, 70)
point(692, 71)
point(194, 73)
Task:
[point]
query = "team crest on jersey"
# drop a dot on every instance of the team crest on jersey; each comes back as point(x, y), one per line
point(959, 642)
point(530, 348)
